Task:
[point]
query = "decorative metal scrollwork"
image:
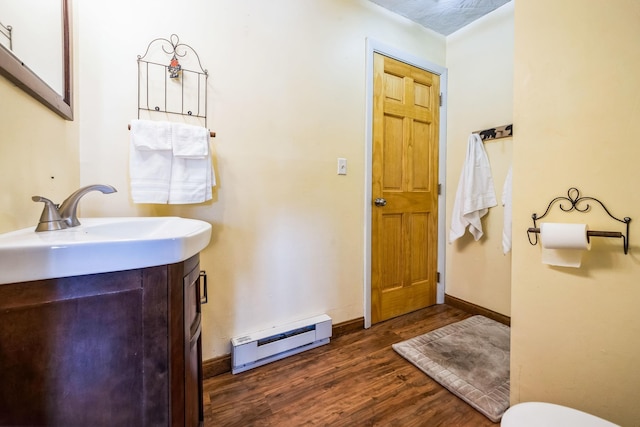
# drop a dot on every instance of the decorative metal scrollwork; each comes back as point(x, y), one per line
point(192, 96)
point(580, 204)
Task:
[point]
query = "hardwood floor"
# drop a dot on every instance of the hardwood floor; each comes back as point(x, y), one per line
point(356, 380)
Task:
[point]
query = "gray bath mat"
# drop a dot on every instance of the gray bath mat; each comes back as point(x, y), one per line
point(469, 358)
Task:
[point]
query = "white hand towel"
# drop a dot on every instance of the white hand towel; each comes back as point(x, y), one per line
point(150, 160)
point(190, 141)
point(192, 172)
point(475, 194)
point(506, 202)
point(191, 180)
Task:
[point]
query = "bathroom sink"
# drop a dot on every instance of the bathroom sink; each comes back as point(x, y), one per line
point(100, 245)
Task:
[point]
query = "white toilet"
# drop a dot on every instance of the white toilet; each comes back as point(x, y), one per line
point(539, 414)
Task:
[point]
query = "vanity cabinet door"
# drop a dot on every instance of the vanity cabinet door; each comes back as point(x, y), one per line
point(71, 350)
point(194, 412)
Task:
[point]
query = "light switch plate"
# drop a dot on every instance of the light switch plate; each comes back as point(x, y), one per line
point(342, 166)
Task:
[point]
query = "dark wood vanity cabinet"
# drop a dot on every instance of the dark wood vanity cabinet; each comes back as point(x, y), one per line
point(109, 349)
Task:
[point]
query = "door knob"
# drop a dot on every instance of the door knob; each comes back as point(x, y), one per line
point(380, 202)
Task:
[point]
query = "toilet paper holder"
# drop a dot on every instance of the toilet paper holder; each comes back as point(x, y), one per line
point(579, 204)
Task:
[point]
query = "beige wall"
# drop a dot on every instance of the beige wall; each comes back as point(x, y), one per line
point(38, 156)
point(287, 98)
point(575, 333)
point(480, 66)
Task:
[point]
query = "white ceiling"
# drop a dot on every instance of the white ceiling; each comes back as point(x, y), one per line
point(442, 16)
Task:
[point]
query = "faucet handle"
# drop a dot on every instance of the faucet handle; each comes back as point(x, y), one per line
point(50, 218)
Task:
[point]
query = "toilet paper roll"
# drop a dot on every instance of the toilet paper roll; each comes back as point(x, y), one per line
point(563, 244)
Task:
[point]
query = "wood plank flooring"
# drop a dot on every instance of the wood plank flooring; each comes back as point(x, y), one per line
point(356, 380)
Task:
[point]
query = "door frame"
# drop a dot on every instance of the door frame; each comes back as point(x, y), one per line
point(374, 46)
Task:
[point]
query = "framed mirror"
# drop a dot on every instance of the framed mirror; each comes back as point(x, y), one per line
point(58, 96)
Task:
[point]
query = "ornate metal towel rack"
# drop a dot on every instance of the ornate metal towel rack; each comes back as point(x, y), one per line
point(171, 80)
point(578, 203)
point(211, 134)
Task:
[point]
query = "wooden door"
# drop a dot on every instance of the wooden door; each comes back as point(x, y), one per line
point(405, 181)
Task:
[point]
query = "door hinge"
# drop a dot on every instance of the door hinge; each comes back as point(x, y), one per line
point(438, 277)
point(439, 189)
point(441, 99)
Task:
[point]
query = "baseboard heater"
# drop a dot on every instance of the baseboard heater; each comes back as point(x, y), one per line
point(257, 349)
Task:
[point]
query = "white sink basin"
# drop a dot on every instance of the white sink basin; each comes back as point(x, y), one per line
point(100, 245)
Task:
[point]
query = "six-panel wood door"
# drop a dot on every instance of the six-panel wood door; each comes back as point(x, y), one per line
point(405, 182)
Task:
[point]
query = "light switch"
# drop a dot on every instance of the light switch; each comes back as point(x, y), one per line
point(342, 166)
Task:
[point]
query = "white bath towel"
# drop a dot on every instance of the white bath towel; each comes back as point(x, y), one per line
point(151, 135)
point(191, 180)
point(506, 202)
point(192, 173)
point(150, 159)
point(475, 194)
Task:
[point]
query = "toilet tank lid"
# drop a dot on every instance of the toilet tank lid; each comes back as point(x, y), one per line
point(535, 414)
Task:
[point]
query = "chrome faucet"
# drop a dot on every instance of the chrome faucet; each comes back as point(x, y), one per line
point(59, 217)
point(68, 208)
